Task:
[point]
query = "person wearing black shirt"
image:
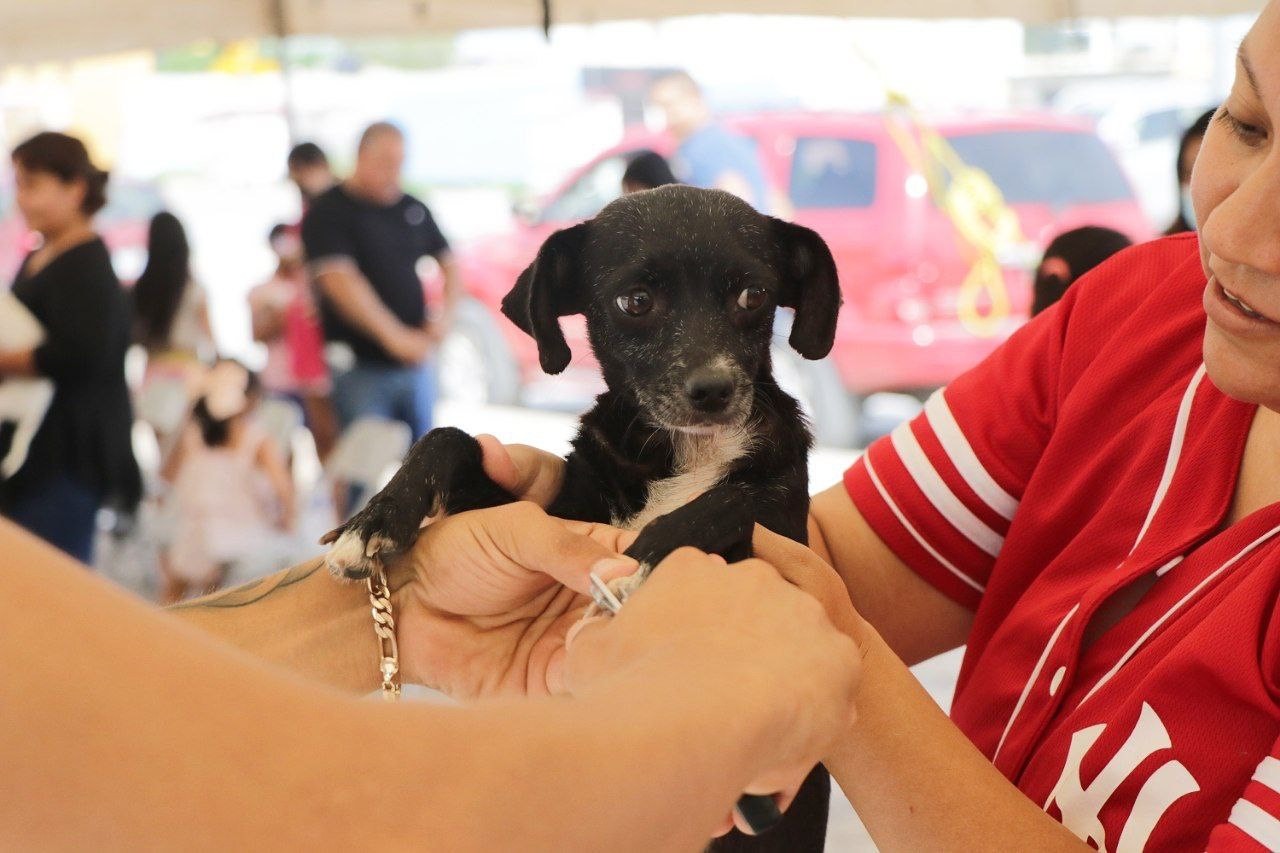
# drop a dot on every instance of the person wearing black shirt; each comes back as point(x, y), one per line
point(363, 239)
point(81, 456)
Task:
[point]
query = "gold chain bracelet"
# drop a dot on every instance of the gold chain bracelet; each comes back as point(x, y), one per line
point(384, 625)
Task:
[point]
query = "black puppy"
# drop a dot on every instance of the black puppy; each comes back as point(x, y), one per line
point(693, 441)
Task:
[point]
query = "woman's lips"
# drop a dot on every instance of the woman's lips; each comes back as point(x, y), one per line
point(1244, 307)
point(1234, 314)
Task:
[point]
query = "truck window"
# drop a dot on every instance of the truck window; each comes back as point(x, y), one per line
point(1053, 167)
point(829, 172)
point(595, 188)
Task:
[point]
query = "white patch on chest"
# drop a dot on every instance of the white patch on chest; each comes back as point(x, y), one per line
point(701, 461)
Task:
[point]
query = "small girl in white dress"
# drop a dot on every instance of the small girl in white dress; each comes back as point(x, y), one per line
point(231, 489)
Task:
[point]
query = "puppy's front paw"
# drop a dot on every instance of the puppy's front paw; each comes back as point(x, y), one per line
point(380, 530)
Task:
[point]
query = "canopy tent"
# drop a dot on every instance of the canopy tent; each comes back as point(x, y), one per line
point(67, 29)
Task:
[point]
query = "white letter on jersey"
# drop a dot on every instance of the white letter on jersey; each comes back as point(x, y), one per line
point(1081, 806)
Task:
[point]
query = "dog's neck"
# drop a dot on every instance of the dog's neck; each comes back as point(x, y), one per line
point(656, 469)
point(699, 461)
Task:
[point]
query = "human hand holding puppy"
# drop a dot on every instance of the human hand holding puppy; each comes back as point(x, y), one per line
point(483, 612)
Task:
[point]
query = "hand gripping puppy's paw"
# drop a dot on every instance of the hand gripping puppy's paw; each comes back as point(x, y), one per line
point(379, 531)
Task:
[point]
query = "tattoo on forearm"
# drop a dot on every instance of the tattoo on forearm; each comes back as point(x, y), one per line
point(253, 591)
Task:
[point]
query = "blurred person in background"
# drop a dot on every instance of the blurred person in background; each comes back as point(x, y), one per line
point(1072, 254)
point(171, 316)
point(228, 478)
point(1188, 150)
point(647, 170)
point(708, 155)
point(81, 456)
point(310, 171)
point(363, 240)
point(284, 319)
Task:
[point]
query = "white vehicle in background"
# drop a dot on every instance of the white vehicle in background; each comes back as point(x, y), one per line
point(1142, 121)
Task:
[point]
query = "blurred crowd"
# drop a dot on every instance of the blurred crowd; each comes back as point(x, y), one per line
point(117, 399)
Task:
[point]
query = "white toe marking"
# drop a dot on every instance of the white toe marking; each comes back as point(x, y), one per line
point(347, 551)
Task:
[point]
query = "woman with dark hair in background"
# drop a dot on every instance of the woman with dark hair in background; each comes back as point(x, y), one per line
point(171, 323)
point(81, 456)
point(170, 317)
point(1072, 254)
point(1188, 148)
point(647, 170)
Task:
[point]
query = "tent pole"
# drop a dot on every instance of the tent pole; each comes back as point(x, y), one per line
point(280, 25)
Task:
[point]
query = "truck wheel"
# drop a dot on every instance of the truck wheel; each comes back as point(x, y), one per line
point(475, 364)
point(833, 411)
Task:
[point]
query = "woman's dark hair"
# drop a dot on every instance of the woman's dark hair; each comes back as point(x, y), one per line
point(649, 169)
point(1069, 256)
point(158, 291)
point(215, 432)
point(66, 158)
point(1194, 133)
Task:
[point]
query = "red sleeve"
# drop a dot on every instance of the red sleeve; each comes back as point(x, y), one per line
point(1254, 823)
point(942, 490)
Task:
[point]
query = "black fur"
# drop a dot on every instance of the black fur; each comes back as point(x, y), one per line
point(697, 360)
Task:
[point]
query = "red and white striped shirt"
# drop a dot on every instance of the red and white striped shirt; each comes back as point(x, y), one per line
point(1090, 451)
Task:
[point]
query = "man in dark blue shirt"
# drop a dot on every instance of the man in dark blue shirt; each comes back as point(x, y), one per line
point(364, 239)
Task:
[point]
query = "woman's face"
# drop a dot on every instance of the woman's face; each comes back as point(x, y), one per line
point(48, 203)
point(1236, 190)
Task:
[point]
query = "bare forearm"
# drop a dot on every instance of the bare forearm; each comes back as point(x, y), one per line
point(300, 619)
point(453, 287)
point(18, 363)
point(737, 184)
point(918, 783)
point(268, 324)
point(145, 717)
point(354, 298)
point(635, 768)
point(916, 620)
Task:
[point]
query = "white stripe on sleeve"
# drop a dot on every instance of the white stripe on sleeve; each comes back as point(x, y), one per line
point(1268, 773)
point(893, 507)
point(939, 493)
point(961, 454)
point(1256, 823)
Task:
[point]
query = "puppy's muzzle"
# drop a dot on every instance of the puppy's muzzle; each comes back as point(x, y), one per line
point(709, 390)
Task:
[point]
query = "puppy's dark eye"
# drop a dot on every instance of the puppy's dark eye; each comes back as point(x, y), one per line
point(752, 298)
point(636, 302)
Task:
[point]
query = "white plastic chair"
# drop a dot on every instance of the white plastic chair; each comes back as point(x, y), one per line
point(281, 419)
point(163, 403)
point(365, 451)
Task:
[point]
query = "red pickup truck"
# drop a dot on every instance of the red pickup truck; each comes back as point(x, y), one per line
point(907, 206)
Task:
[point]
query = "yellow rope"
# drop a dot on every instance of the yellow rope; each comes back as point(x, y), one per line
point(973, 203)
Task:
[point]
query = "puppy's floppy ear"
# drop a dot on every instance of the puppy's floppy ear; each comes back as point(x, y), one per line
point(809, 285)
point(551, 287)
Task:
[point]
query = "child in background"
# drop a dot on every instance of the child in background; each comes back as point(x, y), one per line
point(1072, 254)
point(228, 477)
point(285, 320)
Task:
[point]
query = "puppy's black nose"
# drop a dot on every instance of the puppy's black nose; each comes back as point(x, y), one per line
point(709, 390)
